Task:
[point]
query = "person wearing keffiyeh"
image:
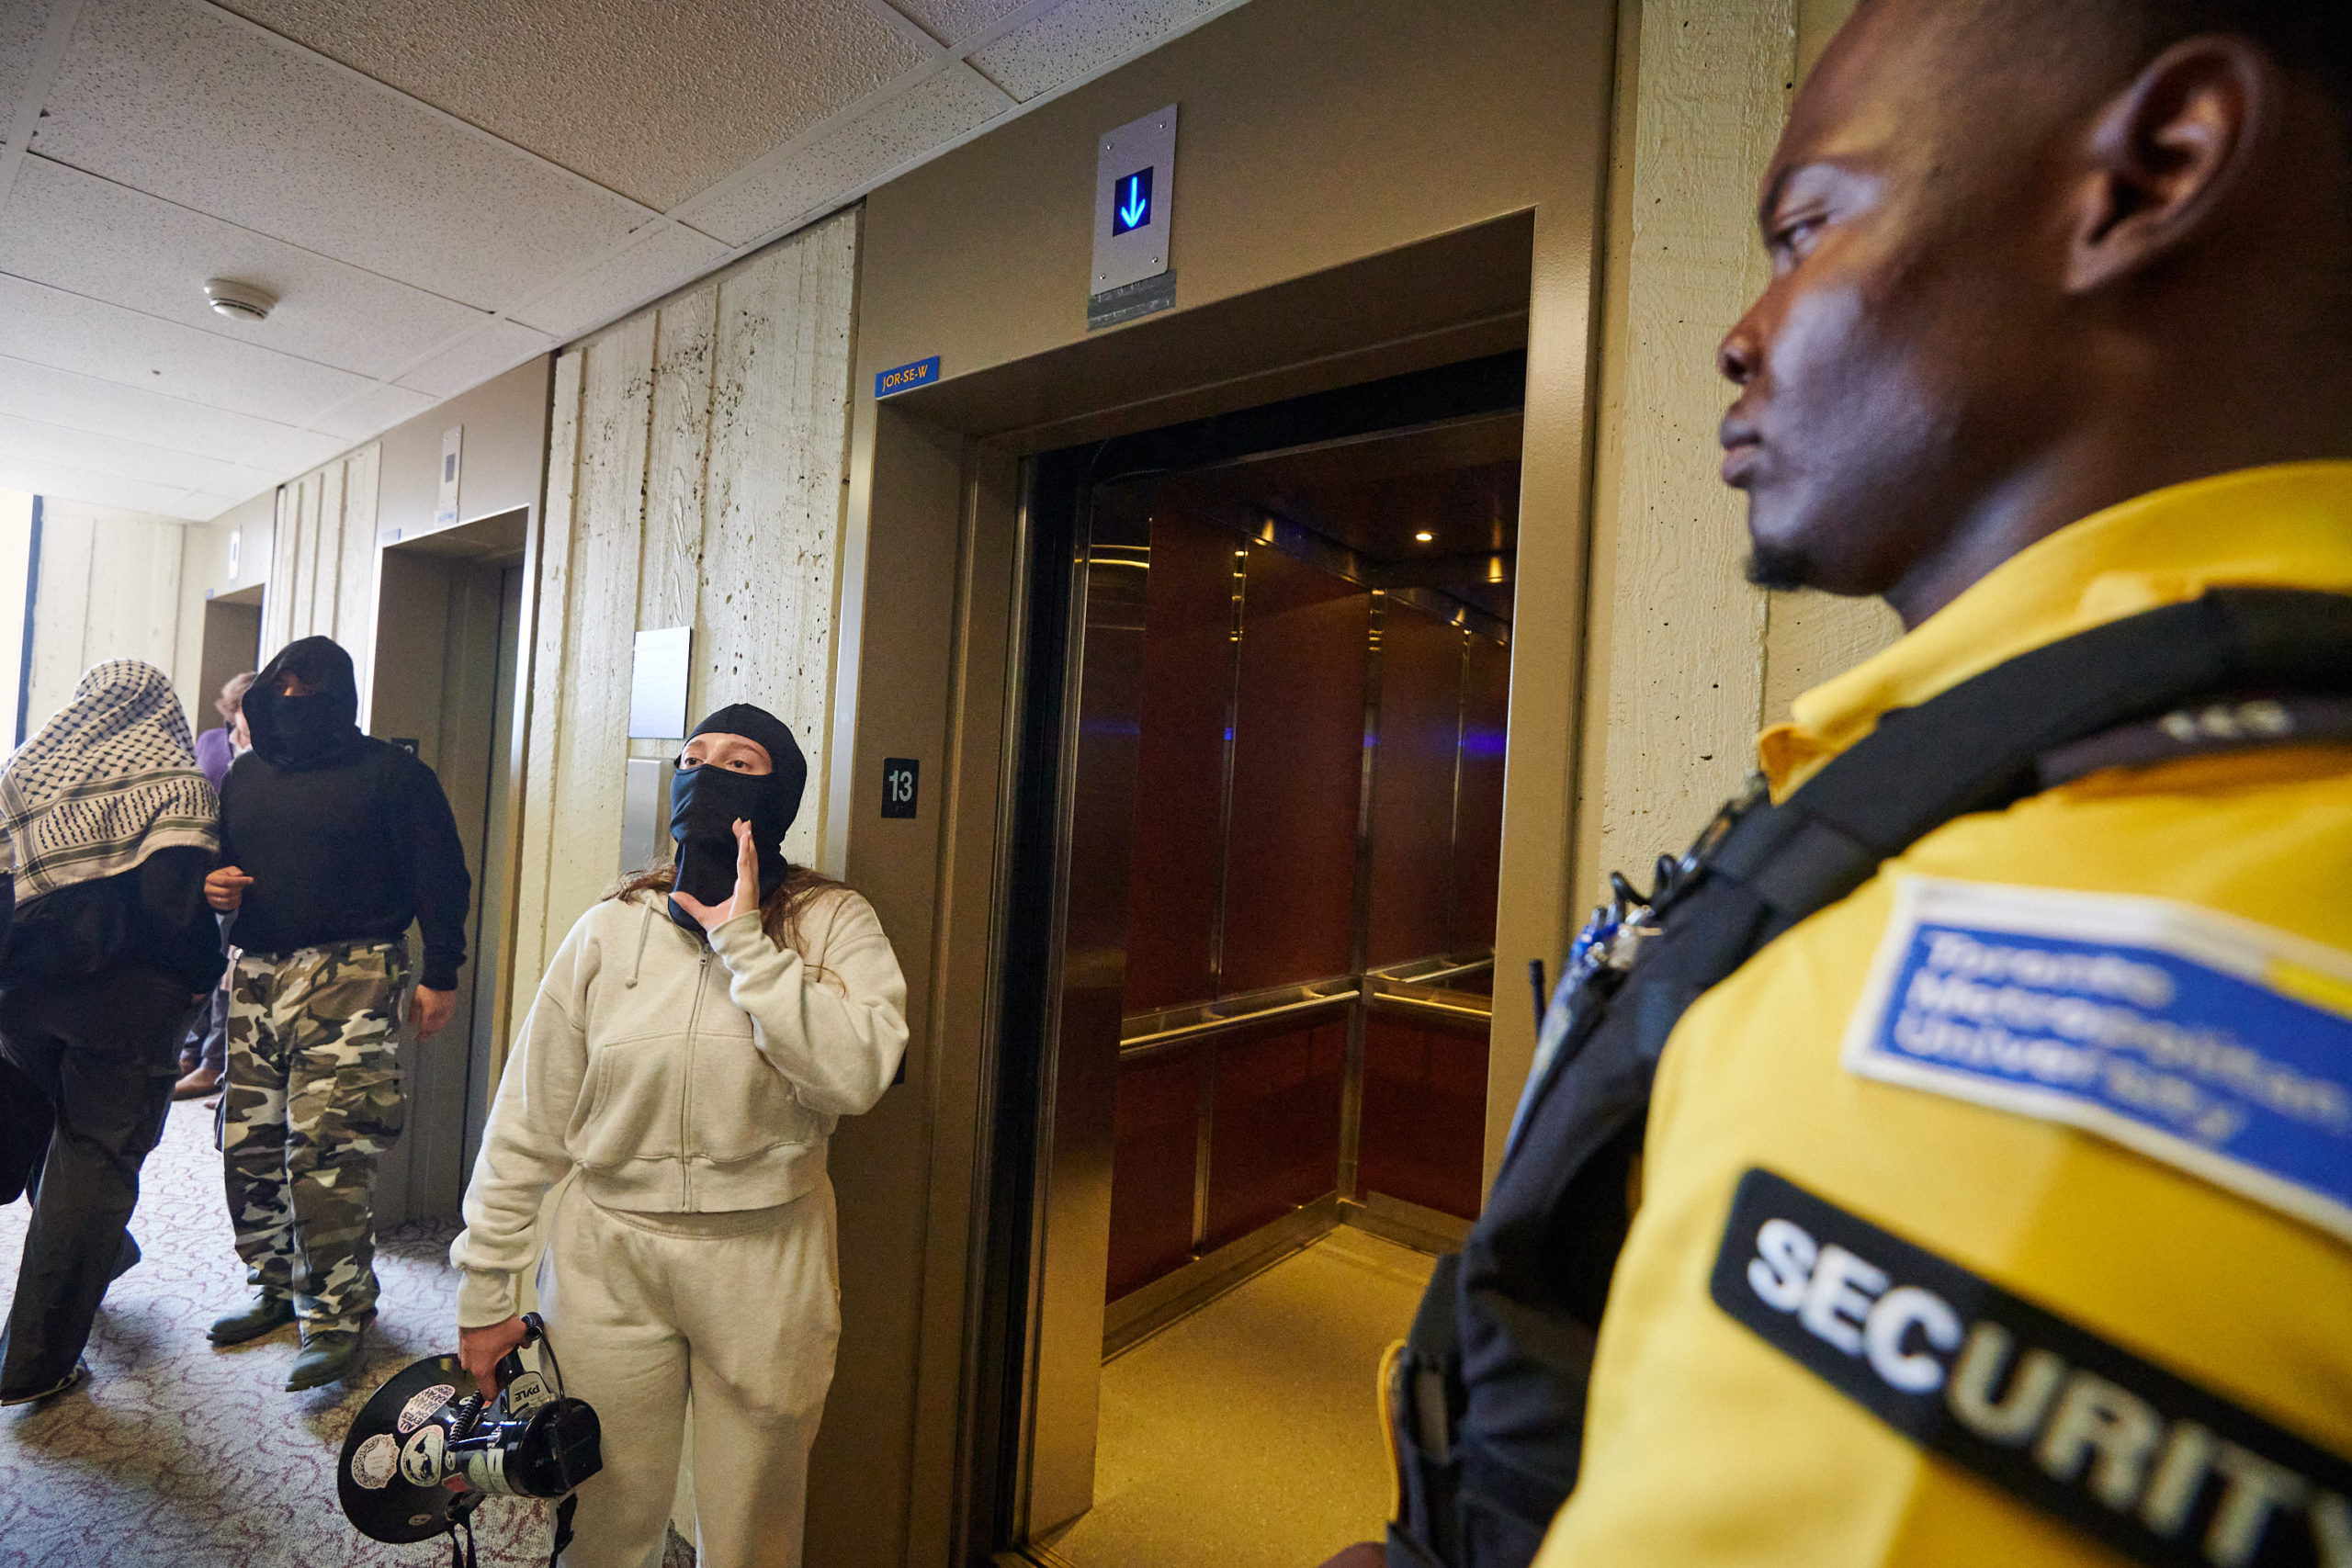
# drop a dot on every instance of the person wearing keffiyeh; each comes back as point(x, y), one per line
point(108, 828)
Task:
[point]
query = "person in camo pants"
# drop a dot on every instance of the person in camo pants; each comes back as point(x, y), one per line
point(302, 1129)
point(332, 844)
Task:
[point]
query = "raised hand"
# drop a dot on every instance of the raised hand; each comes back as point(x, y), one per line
point(746, 897)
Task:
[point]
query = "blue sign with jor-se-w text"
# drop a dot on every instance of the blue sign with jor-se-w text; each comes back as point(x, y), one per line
point(922, 373)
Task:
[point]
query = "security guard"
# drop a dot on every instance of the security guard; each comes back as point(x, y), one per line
point(2059, 320)
point(1991, 1201)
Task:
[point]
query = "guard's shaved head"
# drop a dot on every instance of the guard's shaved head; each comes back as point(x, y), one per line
point(2032, 257)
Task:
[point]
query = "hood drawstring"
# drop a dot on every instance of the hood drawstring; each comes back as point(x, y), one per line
point(644, 930)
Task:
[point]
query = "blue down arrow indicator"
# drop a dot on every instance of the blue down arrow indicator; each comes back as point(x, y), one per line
point(1133, 195)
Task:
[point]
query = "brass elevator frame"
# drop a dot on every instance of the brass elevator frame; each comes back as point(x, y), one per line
point(1098, 580)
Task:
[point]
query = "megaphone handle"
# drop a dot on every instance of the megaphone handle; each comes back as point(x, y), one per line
point(509, 1368)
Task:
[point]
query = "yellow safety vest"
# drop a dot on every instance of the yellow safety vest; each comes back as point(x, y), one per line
point(1725, 1434)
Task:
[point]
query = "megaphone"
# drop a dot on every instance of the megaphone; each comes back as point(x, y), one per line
point(428, 1447)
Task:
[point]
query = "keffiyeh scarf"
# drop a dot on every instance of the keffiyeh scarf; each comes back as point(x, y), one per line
point(109, 780)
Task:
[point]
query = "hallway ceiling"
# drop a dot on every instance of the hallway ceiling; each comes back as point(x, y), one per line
point(436, 190)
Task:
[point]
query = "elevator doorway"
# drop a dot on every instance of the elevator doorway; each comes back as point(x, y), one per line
point(448, 656)
point(232, 646)
point(1268, 675)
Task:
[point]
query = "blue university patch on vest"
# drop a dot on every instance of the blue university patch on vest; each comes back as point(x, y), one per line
point(2215, 1044)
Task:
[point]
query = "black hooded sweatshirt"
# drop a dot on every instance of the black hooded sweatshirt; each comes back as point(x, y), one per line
point(348, 838)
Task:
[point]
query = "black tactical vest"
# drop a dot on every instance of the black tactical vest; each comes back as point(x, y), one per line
point(1488, 1399)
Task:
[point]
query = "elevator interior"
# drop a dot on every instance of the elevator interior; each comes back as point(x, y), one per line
point(449, 627)
point(1275, 648)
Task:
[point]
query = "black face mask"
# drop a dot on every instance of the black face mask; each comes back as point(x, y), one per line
point(705, 804)
point(310, 728)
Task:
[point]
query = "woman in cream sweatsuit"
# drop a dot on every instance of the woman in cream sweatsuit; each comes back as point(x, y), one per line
point(689, 1063)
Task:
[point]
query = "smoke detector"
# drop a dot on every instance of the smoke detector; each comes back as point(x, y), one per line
point(239, 302)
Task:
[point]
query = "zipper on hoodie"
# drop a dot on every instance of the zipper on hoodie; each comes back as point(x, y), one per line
point(686, 1088)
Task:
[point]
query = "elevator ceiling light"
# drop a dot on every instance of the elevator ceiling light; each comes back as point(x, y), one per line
point(239, 302)
point(1425, 536)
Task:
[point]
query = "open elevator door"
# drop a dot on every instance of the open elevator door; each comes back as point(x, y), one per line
point(447, 655)
point(1261, 804)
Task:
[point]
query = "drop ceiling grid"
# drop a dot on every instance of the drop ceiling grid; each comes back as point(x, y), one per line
point(84, 402)
point(89, 236)
point(740, 76)
point(357, 176)
point(180, 101)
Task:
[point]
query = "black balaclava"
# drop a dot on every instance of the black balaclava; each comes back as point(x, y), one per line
point(304, 732)
point(706, 802)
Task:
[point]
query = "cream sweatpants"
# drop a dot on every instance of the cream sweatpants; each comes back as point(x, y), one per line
point(742, 1310)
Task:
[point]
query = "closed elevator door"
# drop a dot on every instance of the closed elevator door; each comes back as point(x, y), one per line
point(1264, 1033)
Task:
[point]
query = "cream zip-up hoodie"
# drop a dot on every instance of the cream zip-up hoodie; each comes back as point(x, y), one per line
point(680, 1079)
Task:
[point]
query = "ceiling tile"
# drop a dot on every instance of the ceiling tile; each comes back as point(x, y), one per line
point(35, 441)
point(50, 326)
point(499, 345)
point(84, 402)
point(90, 236)
point(953, 21)
point(203, 110)
point(1082, 36)
point(667, 257)
point(22, 24)
point(45, 479)
point(704, 97)
point(372, 412)
point(900, 130)
point(231, 486)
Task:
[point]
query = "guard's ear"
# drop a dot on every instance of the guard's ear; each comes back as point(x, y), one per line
point(2165, 153)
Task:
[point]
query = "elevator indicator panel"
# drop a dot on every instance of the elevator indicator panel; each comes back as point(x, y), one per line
point(1131, 203)
point(899, 775)
point(1135, 189)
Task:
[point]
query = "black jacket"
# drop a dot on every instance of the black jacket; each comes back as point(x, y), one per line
point(348, 838)
point(152, 915)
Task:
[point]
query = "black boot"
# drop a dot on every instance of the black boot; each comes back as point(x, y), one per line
point(265, 1315)
point(327, 1354)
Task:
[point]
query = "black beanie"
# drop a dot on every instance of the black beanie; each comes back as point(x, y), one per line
point(755, 723)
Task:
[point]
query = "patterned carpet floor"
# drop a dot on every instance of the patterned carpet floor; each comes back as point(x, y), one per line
point(177, 1454)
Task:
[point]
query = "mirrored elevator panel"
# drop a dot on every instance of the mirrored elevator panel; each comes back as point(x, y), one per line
point(1287, 673)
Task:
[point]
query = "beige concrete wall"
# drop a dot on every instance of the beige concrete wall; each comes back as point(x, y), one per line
point(15, 555)
point(204, 577)
point(503, 454)
point(1314, 134)
point(109, 589)
point(1686, 660)
point(322, 575)
point(694, 478)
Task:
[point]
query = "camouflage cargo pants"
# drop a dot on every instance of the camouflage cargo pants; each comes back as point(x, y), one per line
point(311, 1101)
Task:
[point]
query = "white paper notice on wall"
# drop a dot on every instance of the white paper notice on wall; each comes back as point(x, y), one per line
point(444, 512)
point(657, 687)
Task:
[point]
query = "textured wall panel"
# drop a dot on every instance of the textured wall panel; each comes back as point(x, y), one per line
point(543, 740)
point(779, 464)
point(1677, 638)
point(694, 478)
point(321, 577)
point(677, 450)
point(109, 589)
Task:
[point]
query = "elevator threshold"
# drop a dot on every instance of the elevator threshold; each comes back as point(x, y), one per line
point(1247, 1432)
